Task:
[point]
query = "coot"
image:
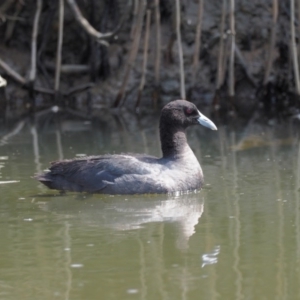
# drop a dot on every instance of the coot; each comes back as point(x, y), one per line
point(177, 170)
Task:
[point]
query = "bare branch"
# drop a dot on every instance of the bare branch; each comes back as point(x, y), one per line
point(12, 72)
point(11, 24)
point(68, 69)
point(294, 48)
point(17, 77)
point(180, 53)
point(197, 41)
point(220, 74)
point(32, 74)
point(232, 50)
point(59, 45)
point(243, 63)
point(145, 61)
point(87, 26)
point(5, 6)
point(272, 42)
point(133, 52)
point(158, 42)
point(78, 89)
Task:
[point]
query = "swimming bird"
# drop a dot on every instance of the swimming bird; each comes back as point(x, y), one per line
point(177, 170)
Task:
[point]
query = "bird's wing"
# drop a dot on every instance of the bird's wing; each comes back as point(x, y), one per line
point(96, 172)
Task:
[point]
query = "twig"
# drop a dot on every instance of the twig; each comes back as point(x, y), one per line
point(158, 43)
point(298, 5)
point(5, 6)
point(45, 33)
point(20, 79)
point(294, 48)
point(241, 59)
point(145, 61)
point(232, 47)
point(220, 74)
point(59, 45)
point(133, 52)
point(78, 89)
point(272, 42)
point(3, 18)
point(69, 69)
point(12, 72)
point(227, 48)
point(87, 26)
point(180, 53)
point(11, 25)
point(197, 41)
point(32, 74)
point(135, 12)
point(43, 90)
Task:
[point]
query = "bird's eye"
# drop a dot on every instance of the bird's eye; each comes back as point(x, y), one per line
point(189, 110)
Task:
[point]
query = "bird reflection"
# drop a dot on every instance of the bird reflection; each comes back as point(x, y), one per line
point(132, 213)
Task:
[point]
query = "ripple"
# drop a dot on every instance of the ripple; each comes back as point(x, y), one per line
point(211, 257)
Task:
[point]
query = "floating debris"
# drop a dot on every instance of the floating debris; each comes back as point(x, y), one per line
point(76, 265)
point(132, 291)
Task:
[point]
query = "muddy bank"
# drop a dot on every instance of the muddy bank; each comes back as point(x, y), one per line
point(99, 66)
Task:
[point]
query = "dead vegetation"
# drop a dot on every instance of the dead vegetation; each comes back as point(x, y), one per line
point(126, 50)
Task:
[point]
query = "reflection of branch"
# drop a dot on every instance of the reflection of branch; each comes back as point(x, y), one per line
point(15, 131)
point(66, 239)
point(237, 224)
point(59, 144)
point(36, 149)
point(87, 26)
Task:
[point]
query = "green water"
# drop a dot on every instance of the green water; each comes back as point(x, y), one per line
point(238, 238)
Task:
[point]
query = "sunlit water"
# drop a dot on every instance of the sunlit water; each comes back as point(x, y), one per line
point(238, 238)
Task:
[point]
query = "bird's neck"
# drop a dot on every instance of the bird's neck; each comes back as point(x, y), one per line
point(173, 141)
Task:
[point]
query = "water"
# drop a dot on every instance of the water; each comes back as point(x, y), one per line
point(238, 238)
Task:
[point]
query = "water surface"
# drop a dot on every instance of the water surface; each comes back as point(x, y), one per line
point(237, 238)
